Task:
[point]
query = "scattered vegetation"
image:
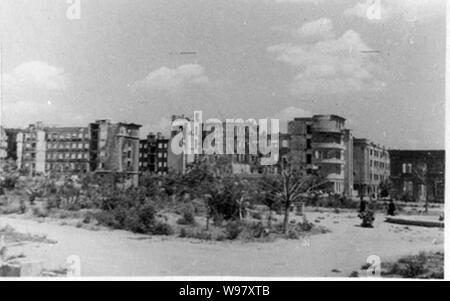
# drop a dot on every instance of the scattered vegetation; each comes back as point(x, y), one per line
point(10, 235)
point(424, 266)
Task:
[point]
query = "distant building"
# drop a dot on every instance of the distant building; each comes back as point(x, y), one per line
point(114, 150)
point(371, 165)
point(242, 157)
point(11, 143)
point(153, 154)
point(31, 149)
point(418, 175)
point(177, 162)
point(321, 145)
point(67, 149)
point(102, 147)
point(3, 147)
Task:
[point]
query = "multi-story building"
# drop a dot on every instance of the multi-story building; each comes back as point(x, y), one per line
point(3, 147)
point(371, 167)
point(321, 145)
point(114, 150)
point(31, 149)
point(11, 143)
point(153, 154)
point(242, 155)
point(102, 147)
point(67, 149)
point(418, 175)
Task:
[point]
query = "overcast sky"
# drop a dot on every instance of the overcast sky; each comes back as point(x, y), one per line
point(142, 61)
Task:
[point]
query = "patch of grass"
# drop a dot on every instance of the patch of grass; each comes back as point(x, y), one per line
point(12, 236)
point(423, 266)
point(196, 233)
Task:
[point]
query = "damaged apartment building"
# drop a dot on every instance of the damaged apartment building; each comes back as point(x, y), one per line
point(102, 147)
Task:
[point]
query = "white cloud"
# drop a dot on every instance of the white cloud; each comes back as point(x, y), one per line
point(172, 80)
point(408, 10)
point(330, 66)
point(299, 1)
point(36, 75)
point(28, 93)
point(322, 27)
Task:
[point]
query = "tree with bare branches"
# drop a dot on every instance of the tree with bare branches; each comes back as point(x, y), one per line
point(287, 189)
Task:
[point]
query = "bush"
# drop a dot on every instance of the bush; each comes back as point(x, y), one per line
point(147, 215)
point(305, 225)
point(194, 233)
point(424, 265)
point(233, 229)
point(257, 215)
point(40, 212)
point(106, 218)
point(188, 217)
point(253, 231)
point(9, 183)
point(162, 229)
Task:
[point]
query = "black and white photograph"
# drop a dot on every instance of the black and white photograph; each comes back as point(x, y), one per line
point(222, 140)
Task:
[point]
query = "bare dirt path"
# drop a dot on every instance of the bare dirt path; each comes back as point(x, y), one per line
point(121, 253)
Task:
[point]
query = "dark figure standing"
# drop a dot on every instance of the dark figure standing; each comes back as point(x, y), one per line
point(391, 208)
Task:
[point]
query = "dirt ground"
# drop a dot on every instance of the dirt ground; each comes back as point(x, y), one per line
point(121, 253)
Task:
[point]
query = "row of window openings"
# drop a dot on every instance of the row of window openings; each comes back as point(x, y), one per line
point(159, 155)
point(65, 167)
point(67, 156)
point(68, 136)
point(376, 177)
point(381, 154)
point(406, 168)
point(67, 145)
point(160, 164)
point(379, 164)
point(160, 145)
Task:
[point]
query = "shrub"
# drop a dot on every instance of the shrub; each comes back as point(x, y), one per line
point(257, 215)
point(9, 182)
point(233, 229)
point(106, 218)
point(292, 234)
point(424, 265)
point(198, 234)
point(147, 215)
point(87, 218)
point(40, 212)
point(252, 231)
point(188, 217)
point(305, 225)
point(162, 229)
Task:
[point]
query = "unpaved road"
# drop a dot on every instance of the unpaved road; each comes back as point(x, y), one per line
point(121, 253)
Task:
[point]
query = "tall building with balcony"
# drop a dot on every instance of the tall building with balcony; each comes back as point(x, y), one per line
point(321, 145)
point(371, 167)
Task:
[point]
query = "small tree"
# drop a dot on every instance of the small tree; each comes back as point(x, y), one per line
point(287, 189)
